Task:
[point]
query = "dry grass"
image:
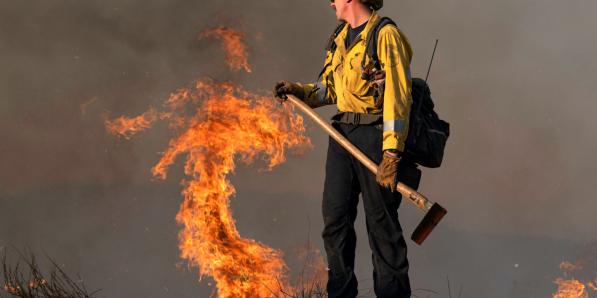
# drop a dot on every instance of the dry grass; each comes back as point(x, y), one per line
point(25, 279)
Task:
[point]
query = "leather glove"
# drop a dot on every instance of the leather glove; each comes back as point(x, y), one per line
point(387, 170)
point(285, 87)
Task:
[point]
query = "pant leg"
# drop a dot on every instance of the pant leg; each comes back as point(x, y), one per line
point(386, 239)
point(340, 199)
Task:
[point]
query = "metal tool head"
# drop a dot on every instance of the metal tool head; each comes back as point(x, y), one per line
point(431, 219)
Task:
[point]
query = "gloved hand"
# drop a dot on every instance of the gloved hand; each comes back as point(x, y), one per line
point(284, 87)
point(387, 170)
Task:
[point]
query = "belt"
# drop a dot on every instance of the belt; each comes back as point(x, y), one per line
point(358, 118)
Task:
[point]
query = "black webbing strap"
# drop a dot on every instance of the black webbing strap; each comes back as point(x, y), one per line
point(358, 118)
point(371, 42)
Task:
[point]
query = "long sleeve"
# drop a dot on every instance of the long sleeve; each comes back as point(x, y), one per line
point(395, 55)
point(323, 92)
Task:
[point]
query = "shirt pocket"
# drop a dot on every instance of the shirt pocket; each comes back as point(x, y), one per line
point(352, 73)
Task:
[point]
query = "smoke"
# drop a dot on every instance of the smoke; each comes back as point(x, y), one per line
point(514, 79)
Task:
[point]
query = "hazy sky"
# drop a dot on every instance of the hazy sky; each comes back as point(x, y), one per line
point(514, 79)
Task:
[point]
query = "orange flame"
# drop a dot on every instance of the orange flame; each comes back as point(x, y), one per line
point(127, 127)
point(9, 288)
point(569, 267)
point(592, 285)
point(37, 283)
point(232, 43)
point(226, 122)
point(215, 123)
point(572, 287)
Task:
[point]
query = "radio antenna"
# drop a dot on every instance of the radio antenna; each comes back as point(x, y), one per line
point(431, 62)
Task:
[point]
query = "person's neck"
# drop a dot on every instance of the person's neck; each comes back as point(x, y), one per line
point(359, 16)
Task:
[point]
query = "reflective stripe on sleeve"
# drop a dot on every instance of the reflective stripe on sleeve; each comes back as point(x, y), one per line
point(393, 125)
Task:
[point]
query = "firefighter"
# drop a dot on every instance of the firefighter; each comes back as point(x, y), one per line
point(377, 123)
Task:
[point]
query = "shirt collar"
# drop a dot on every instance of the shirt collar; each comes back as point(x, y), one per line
point(373, 19)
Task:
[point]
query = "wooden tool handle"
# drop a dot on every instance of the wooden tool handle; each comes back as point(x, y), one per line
point(416, 198)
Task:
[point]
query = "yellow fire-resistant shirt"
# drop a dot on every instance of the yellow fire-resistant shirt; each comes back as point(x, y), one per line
point(341, 81)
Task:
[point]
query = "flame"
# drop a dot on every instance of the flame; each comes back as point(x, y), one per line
point(226, 121)
point(572, 287)
point(9, 288)
point(230, 122)
point(33, 284)
point(592, 285)
point(216, 123)
point(569, 267)
point(127, 127)
point(232, 43)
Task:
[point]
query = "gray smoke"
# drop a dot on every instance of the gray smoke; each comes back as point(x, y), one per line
point(514, 79)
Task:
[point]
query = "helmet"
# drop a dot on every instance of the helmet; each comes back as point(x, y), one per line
point(375, 4)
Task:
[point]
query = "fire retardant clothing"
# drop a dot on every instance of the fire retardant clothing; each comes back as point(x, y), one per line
point(346, 178)
point(341, 82)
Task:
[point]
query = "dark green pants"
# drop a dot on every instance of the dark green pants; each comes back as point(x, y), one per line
point(346, 178)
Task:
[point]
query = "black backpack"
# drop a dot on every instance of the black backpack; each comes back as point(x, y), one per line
point(427, 133)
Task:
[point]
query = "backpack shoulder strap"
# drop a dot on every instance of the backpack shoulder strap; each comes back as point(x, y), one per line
point(371, 42)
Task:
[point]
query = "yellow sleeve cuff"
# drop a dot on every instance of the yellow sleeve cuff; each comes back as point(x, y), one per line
point(392, 141)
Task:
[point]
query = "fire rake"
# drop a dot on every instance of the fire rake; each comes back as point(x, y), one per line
point(434, 212)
